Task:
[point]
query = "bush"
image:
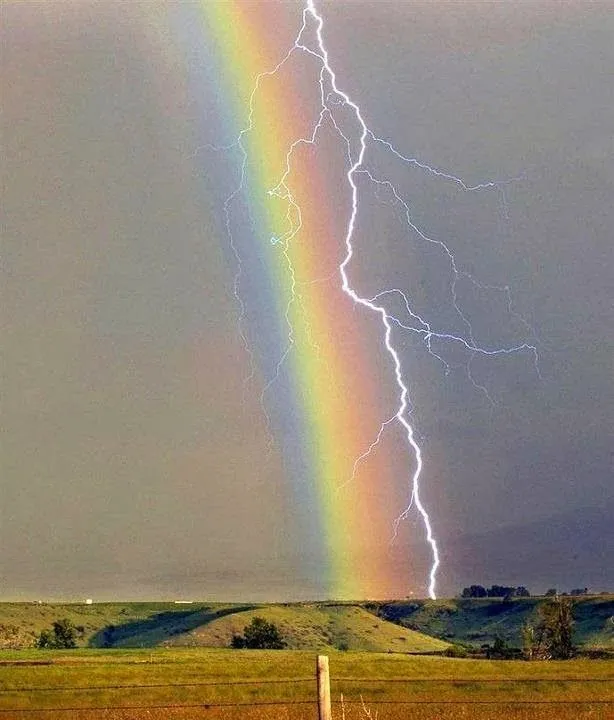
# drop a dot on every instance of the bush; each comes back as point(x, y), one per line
point(259, 635)
point(500, 650)
point(63, 635)
point(456, 651)
point(237, 642)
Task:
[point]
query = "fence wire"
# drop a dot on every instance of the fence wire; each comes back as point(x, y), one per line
point(287, 702)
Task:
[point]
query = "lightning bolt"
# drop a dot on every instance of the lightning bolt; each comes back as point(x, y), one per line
point(332, 97)
point(378, 309)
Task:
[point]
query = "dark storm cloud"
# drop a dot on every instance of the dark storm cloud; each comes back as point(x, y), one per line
point(489, 90)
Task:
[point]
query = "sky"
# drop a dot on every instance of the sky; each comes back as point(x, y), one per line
point(151, 449)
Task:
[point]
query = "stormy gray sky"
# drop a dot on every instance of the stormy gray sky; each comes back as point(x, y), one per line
point(134, 464)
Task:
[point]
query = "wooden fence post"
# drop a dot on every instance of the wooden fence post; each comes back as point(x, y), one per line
point(323, 676)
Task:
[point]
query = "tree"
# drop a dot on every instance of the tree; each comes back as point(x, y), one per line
point(259, 634)
point(551, 592)
point(499, 648)
point(501, 591)
point(558, 619)
point(63, 635)
point(495, 591)
point(527, 633)
point(552, 637)
point(474, 591)
point(46, 639)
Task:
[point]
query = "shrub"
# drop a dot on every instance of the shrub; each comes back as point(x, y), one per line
point(456, 651)
point(259, 635)
point(62, 635)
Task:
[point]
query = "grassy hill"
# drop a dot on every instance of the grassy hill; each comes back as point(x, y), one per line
point(317, 626)
point(303, 626)
point(401, 626)
point(476, 622)
point(21, 623)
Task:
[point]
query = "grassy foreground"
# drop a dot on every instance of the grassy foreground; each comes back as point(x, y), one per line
point(190, 683)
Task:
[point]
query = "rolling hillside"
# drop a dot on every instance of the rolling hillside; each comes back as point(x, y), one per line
point(475, 622)
point(319, 627)
point(416, 626)
point(303, 626)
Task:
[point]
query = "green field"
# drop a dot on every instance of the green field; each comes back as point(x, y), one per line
point(225, 684)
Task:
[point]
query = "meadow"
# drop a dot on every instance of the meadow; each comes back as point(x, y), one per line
point(190, 683)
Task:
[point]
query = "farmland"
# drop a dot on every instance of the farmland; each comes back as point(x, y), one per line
point(190, 683)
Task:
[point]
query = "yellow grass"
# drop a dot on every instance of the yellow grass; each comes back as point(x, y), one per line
point(154, 684)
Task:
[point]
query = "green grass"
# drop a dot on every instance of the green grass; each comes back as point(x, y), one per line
point(400, 626)
point(317, 627)
point(148, 624)
point(303, 626)
point(395, 685)
point(475, 622)
point(176, 673)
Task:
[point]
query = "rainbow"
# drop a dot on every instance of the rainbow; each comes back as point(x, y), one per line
point(327, 399)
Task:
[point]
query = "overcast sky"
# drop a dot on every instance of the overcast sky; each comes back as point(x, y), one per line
point(134, 461)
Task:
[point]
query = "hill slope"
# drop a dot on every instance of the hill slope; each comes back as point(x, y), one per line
point(104, 624)
point(476, 622)
point(400, 626)
point(303, 626)
point(318, 627)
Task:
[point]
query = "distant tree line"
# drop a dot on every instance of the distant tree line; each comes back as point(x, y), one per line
point(495, 591)
point(509, 591)
point(552, 592)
